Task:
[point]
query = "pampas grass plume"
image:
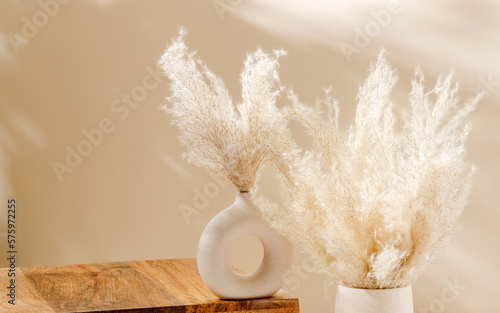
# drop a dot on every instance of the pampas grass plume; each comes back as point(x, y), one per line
point(372, 204)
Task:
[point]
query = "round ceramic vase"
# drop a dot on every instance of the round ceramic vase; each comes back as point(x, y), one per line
point(353, 300)
point(242, 218)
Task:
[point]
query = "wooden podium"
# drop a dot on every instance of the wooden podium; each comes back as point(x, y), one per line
point(158, 286)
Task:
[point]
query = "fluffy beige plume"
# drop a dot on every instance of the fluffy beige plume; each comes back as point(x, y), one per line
point(373, 204)
point(229, 140)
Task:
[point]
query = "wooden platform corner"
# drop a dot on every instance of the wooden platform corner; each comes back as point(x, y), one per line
point(156, 286)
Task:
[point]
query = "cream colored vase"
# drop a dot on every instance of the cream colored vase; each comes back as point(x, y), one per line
point(242, 218)
point(353, 300)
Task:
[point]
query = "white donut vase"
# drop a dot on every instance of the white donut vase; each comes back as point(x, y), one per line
point(242, 218)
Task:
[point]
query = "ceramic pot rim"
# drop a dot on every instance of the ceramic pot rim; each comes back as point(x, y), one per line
point(375, 289)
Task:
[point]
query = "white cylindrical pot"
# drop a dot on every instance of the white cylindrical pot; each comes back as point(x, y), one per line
point(353, 300)
point(242, 218)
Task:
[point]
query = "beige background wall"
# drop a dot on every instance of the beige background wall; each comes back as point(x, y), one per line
point(71, 72)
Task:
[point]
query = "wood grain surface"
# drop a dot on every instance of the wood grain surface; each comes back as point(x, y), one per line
point(158, 286)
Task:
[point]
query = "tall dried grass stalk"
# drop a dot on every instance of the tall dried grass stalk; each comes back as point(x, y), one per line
point(231, 142)
point(372, 204)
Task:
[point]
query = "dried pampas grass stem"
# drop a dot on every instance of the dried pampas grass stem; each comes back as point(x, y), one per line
point(373, 204)
point(230, 141)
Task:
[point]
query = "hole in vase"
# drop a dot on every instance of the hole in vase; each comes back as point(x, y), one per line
point(246, 253)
